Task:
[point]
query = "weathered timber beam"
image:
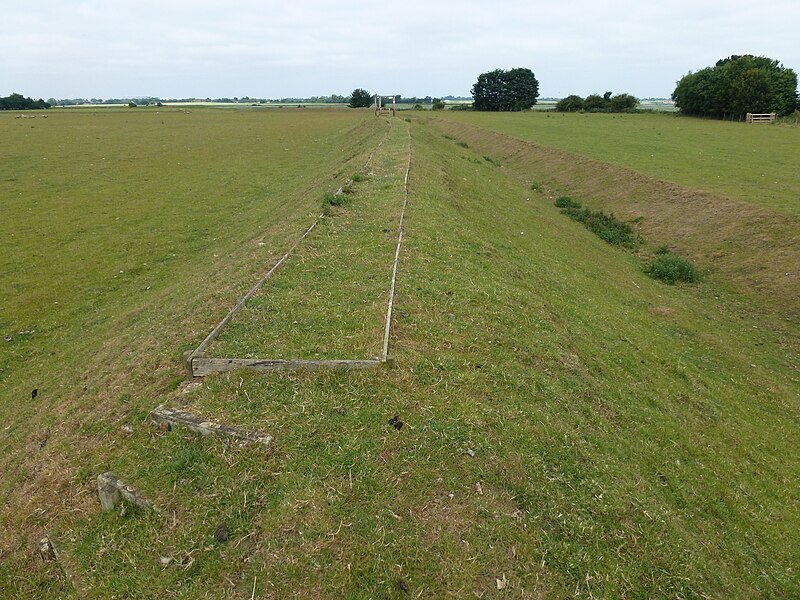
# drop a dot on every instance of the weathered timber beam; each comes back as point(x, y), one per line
point(112, 490)
point(178, 418)
point(202, 366)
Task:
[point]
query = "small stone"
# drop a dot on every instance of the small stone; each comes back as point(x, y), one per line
point(46, 550)
point(127, 428)
point(471, 453)
point(401, 584)
point(8, 338)
point(123, 510)
point(340, 410)
point(502, 583)
point(165, 560)
point(34, 393)
point(221, 532)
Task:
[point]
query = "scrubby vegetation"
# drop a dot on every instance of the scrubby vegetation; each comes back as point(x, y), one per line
point(597, 103)
point(672, 269)
point(606, 226)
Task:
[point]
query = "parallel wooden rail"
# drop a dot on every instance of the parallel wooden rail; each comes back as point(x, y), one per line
point(199, 365)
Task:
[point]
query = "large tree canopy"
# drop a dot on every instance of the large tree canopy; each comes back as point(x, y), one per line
point(360, 98)
point(738, 85)
point(516, 89)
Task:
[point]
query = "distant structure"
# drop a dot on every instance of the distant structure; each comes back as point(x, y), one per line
point(381, 108)
point(761, 117)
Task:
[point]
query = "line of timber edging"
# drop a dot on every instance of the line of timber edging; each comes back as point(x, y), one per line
point(387, 327)
point(200, 365)
point(191, 356)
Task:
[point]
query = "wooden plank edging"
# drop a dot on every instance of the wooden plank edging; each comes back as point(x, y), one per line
point(112, 490)
point(178, 418)
point(49, 549)
point(388, 325)
point(202, 366)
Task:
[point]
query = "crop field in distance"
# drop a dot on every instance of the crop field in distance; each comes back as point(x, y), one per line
point(571, 426)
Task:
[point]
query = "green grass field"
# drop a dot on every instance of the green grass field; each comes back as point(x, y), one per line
point(572, 426)
point(747, 162)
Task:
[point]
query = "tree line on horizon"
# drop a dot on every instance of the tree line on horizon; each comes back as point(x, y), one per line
point(19, 102)
point(734, 86)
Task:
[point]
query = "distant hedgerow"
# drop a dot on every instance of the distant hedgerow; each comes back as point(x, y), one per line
point(671, 269)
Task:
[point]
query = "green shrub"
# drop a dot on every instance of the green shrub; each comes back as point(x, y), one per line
point(672, 269)
point(662, 250)
point(567, 202)
point(358, 177)
point(606, 227)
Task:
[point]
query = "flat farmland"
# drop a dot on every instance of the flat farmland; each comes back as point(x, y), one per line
point(571, 426)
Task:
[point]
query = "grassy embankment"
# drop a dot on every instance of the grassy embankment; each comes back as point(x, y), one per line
point(746, 162)
point(748, 245)
point(572, 427)
point(125, 235)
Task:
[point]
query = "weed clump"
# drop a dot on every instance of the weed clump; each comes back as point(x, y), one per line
point(672, 269)
point(606, 227)
point(567, 202)
point(462, 144)
point(331, 199)
point(358, 177)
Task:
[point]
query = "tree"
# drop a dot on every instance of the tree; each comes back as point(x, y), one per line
point(623, 103)
point(360, 98)
point(572, 103)
point(437, 104)
point(516, 89)
point(737, 85)
point(594, 103)
point(19, 102)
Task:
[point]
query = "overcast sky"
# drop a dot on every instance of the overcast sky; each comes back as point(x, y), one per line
point(264, 48)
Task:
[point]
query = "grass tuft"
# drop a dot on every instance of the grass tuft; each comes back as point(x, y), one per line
point(331, 199)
